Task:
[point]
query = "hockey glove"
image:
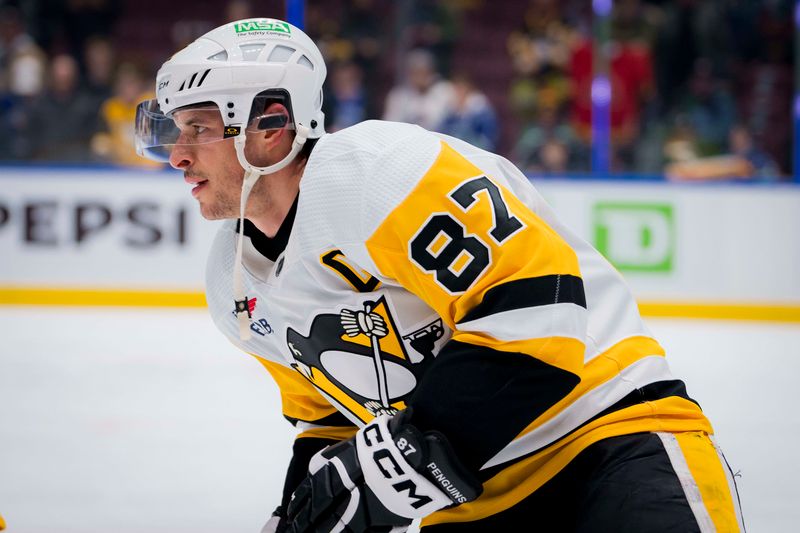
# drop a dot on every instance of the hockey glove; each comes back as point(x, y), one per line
point(383, 478)
point(276, 522)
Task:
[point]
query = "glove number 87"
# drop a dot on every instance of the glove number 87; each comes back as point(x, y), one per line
point(405, 447)
point(443, 247)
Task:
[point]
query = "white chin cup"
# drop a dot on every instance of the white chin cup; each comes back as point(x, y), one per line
point(250, 170)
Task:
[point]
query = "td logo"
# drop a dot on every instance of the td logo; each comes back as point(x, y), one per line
point(635, 237)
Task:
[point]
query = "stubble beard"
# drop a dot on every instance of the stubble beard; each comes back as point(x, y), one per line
point(226, 200)
point(225, 204)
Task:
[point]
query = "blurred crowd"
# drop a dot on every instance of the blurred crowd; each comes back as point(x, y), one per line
point(700, 88)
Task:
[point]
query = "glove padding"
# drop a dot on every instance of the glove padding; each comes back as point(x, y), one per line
point(276, 522)
point(380, 480)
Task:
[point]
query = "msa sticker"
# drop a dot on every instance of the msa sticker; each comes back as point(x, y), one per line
point(262, 25)
point(231, 131)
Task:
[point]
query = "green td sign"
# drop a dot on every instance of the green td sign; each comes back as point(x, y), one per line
point(262, 25)
point(635, 237)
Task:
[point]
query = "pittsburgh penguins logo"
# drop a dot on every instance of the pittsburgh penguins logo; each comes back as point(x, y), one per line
point(358, 357)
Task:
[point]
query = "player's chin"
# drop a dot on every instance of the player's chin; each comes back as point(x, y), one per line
point(211, 212)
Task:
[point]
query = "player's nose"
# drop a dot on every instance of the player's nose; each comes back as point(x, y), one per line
point(180, 157)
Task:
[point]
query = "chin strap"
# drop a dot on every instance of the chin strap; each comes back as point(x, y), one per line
point(251, 175)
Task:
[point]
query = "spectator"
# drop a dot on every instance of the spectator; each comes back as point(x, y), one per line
point(554, 157)
point(22, 72)
point(544, 41)
point(346, 100)
point(549, 127)
point(634, 21)
point(631, 78)
point(22, 62)
point(362, 26)
point(423, 98)
point(61, 121)
point(529, 95)
point(433, 26)
point(70, 24)
point(687, 163)
point(709, 110)
point(99, 59)
point(115, 142)
point(472, 117)
point(540, 52)
point(741, 144)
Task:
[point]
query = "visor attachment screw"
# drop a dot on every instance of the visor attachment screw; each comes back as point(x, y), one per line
point(231, 115)
point(230, 105)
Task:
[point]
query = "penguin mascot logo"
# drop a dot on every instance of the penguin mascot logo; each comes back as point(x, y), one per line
point(358, 357)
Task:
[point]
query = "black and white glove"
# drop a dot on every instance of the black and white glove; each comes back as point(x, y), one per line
point(276, 522)
point(380, 480)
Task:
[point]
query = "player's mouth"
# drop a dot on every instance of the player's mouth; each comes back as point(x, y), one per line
point(199, 184)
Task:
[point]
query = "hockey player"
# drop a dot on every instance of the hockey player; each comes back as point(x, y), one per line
point(447, 348)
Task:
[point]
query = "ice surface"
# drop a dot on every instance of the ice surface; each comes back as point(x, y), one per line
point(148, 420)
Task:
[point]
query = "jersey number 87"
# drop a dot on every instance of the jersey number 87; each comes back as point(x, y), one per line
point(443, 247)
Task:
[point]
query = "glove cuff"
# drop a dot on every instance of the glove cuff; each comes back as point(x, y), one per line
point(412, 475)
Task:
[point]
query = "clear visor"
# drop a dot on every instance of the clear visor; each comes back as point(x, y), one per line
point(157, 134)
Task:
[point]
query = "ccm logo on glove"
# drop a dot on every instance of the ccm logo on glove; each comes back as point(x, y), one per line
point(387, 475)
point(389, 467)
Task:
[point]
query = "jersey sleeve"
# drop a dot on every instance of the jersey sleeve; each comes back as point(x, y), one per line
point(508, 286)
point(320, 424)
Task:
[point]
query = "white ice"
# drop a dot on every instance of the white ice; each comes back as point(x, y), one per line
point(127, 421)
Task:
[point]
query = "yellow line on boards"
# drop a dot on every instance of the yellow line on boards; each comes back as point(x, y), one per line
point(764, 312)
point(100, 297)
point(133, 298)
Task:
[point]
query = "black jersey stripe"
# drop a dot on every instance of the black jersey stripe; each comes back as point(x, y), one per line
point(335, 419)
point(481, 398)
point(529, 292)
point(648, 393)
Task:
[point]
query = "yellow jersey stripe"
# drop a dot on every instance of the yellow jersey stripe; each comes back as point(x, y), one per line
point(512, 484)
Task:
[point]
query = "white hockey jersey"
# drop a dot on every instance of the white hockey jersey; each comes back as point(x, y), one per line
point(420, 270)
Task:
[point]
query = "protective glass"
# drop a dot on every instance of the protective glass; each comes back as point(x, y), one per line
point(157, 134)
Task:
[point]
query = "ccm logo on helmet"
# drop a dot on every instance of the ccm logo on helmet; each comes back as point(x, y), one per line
point(389, 467)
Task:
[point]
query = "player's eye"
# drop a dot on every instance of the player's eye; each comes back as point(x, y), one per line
point(198, 130)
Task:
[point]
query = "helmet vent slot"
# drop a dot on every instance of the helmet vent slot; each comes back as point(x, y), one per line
point(203, 77)
point(280, 54)
point(219, 56)
point(194, 77)
point(250, 52)
point(306, 62)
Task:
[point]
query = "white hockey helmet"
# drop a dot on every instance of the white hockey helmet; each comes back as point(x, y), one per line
point(233, 71)
point(236, 66)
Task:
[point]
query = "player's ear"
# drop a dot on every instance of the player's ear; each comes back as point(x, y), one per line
point(273, 123)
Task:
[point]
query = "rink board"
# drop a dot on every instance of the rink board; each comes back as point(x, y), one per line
point(125, 237)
